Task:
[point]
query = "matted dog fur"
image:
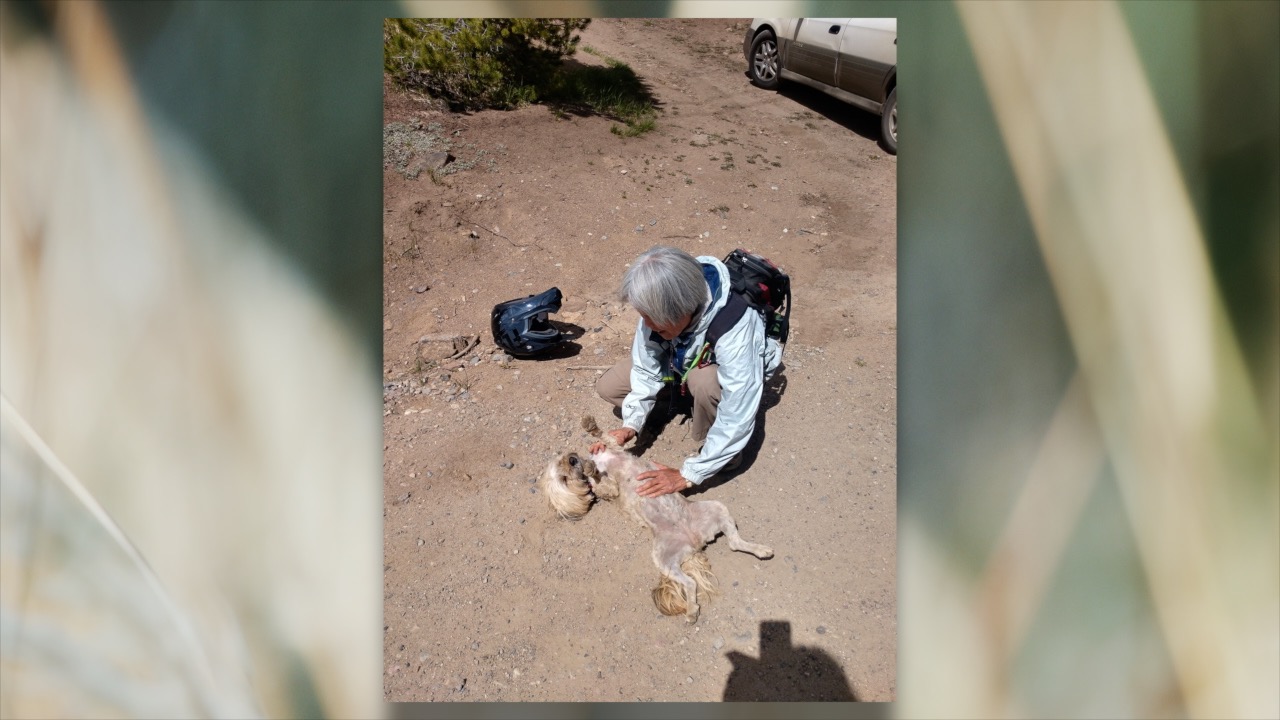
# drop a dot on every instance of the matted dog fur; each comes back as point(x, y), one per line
point(681, 527)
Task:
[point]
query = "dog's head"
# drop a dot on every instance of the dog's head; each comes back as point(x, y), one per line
point(569, 483)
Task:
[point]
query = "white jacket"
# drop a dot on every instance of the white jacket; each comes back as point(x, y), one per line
point(743, 358)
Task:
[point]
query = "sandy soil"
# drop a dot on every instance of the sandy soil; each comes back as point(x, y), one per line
point(488, 596)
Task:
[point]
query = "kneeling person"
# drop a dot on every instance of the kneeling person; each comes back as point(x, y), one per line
point(678, 297)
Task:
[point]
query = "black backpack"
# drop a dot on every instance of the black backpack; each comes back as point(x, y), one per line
point(755, 283)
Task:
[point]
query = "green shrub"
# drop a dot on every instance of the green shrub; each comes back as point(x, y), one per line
point(472, 64)
point(504, 63)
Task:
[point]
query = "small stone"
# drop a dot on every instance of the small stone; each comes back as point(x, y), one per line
point(403, 498)
point(507, 464)
point(689, 679)
point(718, 643)
point(437, 160)
point(533, 490)
point(653, 222)
point(822, 630)
point(421, 289)
point(421, 542)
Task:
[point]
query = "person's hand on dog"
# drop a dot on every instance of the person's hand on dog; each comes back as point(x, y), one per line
point(662, 481)
point(621, 436)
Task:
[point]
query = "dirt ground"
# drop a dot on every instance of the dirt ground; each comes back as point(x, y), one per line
point(488, 596)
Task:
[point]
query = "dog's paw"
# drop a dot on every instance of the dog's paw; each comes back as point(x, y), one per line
point(606, 488)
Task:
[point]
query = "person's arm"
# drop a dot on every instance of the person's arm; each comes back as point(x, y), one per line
point(741, 375)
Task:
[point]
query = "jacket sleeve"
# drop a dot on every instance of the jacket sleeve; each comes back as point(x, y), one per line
point(646, 379)
point(740, 370)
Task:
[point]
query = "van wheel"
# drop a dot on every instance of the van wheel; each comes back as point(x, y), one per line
point(764, 61)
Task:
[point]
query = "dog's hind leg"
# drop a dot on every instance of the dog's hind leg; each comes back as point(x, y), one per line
point(676, 592)
point(712, 517)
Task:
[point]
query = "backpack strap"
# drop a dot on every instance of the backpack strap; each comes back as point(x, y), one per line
point(728, 316)
point(785, 322)
point(734, 308)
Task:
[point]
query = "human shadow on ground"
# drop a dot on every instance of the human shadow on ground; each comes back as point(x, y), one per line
point(785, 672)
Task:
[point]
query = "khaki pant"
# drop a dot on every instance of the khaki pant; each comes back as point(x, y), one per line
point(704, 386)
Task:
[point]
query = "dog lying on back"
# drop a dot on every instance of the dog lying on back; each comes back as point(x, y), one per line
point(681, 528)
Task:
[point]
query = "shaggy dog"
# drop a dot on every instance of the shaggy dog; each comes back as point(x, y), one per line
point(681, 527)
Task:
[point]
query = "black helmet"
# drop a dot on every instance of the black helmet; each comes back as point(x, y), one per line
point(520, 326)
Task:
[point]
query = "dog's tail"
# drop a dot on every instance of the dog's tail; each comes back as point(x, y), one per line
point(669, 595)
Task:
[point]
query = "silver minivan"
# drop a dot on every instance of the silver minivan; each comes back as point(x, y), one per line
point(852, 59)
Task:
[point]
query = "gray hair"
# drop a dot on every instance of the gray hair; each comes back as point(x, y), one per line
point(665, 284)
